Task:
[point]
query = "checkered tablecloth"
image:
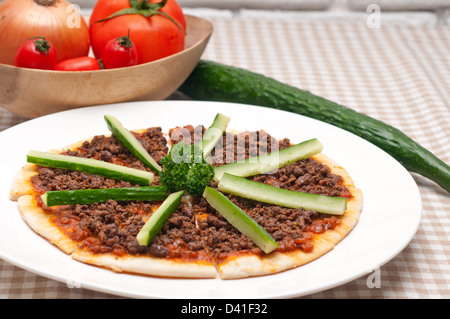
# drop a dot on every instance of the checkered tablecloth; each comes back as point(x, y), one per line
point(397, 73)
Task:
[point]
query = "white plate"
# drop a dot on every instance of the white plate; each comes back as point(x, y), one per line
point(389, 220)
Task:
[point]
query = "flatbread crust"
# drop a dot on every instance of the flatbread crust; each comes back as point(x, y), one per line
point(41, 223)
point(146, 265)
point(21, 184)
point(254, 265)
point(354, 204)
point(240, 266)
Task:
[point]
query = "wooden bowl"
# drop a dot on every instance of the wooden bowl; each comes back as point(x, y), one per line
point(32, 93)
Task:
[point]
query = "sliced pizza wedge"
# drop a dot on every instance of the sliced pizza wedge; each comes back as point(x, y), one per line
point(177, 251)
point(302, 235)
point(104, 233)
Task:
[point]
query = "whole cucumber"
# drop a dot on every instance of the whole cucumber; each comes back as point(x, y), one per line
point(212, 81)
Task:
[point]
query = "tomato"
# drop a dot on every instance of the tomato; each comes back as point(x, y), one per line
point(84, 63)
point(36, 53)
point(159, 35)
point(119, 53)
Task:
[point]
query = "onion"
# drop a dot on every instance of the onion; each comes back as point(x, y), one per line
point(58, 21)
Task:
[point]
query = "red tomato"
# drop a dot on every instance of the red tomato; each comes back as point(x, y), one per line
point(119, 53)
point(155, 37)
point(36, 53)
point(84, 63)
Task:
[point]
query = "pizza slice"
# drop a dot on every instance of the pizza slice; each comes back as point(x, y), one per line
point(104, 234)
point(177, 251)
point(302, 235)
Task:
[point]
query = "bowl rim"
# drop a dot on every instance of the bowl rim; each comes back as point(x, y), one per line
point(195, 44)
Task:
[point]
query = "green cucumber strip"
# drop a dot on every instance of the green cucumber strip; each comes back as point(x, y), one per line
point(88, 196)
point(130, 142)
point(214, 133)
point(91, 166)
point(154, 224)
point(240, 186)
point(240, 220)
point(271, 161)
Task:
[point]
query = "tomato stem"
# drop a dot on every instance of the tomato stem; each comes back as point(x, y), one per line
point(100, 64)
point(145, 4)
point(125, 41)
point(41, 44)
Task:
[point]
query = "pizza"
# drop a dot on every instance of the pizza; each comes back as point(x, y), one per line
point(195, 240)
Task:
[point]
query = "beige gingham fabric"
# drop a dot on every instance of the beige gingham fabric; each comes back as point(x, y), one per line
point(398, 74)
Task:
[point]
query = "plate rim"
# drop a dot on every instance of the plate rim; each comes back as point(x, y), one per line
point(178, 103)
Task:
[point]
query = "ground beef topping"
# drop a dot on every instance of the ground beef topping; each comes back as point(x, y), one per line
point(291, 228)
point(112, 227)
point(105, 148)
point(307, 176)
point(233, 146)
point(179, 237)
point(112, 224)
point(109, 149)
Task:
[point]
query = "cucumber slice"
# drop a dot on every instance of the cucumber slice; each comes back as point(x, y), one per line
point(88, 196)
point(260, 192)
point(240, 220)
point(271, 161)
point(130, 142)
point(154, 224)
point(91, 166)
point(214, 133)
